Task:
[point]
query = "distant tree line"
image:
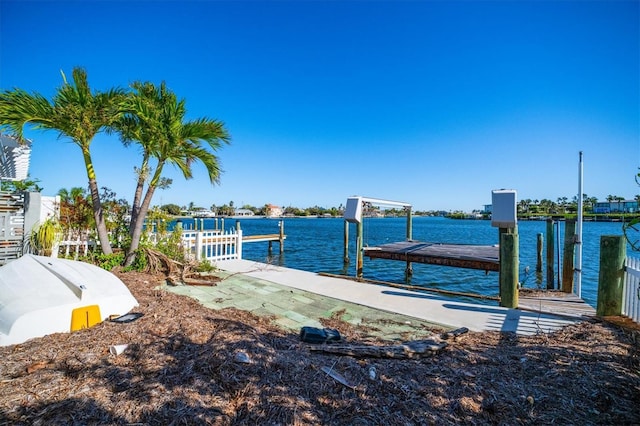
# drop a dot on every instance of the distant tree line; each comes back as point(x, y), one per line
point(525, 207)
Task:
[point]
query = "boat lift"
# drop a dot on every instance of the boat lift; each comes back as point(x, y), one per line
point(353, 213)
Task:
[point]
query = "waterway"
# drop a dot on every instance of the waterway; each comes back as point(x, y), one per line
point(317, 245)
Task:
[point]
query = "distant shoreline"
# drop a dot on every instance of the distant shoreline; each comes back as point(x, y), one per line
point(622, 218)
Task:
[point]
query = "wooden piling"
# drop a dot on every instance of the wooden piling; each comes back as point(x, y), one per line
point(568, 255)
point(281, 236)
point(345, 256)
point(509, 268)
point(408, 272)
point(359, 251)
point(539, 252)
point(613, 251)
point(550, 254)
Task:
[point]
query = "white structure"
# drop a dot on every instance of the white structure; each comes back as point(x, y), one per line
point(202, 213)
point(38, 296)
point(14, 158)
point(243, 213)
point(504, 210)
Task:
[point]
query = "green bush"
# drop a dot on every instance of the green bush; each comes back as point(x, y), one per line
point(108, 261)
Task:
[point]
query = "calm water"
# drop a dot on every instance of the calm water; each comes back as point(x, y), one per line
point(316, 245)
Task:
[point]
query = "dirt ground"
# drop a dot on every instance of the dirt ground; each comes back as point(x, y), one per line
point(186, 364)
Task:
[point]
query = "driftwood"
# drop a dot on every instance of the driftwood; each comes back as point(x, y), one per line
point(414, 349)
point(177, 273)
point(209, 281)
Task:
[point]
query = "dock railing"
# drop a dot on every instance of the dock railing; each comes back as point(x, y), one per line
point(213, 245)
point(631, 292)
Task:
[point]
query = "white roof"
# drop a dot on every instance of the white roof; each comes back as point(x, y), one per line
point(14, 158)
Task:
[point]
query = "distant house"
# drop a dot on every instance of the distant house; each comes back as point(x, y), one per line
point(274, 211)
point(626, 206)
point(244, 212)
point(202, 213)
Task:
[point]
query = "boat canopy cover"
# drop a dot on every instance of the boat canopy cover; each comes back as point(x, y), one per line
point(38, 295)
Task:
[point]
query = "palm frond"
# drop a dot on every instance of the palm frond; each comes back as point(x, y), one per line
point(19, 108)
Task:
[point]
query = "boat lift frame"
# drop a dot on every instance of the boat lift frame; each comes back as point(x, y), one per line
point(353, 213)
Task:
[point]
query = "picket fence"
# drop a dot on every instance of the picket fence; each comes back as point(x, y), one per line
point(198, 245)
point(213, 245)
point(631, 293)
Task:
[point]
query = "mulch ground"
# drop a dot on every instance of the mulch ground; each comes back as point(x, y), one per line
point(186, 364)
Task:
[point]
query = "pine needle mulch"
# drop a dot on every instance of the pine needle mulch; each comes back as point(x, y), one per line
point(186, 364)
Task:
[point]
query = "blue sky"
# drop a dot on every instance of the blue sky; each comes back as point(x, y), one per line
point(428, 102)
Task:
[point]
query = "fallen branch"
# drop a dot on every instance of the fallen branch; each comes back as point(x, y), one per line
point(414, 349)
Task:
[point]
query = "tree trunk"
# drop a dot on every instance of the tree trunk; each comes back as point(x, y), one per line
point(135, 209)
point(136, 227)
point(98, 214)
point(101, 226)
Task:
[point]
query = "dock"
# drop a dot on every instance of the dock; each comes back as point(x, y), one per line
point(270, 238)
point(261, 238)
point(468, 256)
point(567, 305)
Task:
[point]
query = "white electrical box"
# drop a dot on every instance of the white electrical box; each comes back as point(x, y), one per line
point(504, 213)
point(353, 211)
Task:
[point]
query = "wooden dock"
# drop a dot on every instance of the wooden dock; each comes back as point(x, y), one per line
point(554, 302)
point(266, 237)
point(485, 258)
point(271, 238)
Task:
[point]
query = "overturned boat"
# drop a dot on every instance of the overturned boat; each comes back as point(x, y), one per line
point(44, 295)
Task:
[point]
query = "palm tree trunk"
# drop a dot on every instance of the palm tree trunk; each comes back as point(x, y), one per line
point(101, 226)
point(135, 209)
point(136, 227)
point(98, 215)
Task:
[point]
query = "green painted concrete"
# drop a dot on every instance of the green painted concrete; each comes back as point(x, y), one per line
point(292, 309)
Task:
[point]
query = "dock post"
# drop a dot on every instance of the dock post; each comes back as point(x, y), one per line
point(550, 255)
point(613, 251)
point(539, 251)
point(509, 267)
point(568, 254)
point(345, 256)
point(281, 223)
point(408, 271)
point(359, 251)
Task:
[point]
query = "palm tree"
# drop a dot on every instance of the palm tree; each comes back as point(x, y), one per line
point(74, 112)
point(155, 119)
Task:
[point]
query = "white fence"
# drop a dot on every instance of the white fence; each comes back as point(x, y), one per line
point(213, 245)
point(631, 293)
point(198, 245)
point(74, 244)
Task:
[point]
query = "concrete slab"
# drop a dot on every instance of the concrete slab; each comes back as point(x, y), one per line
point(292, 308)
point(423, 306)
